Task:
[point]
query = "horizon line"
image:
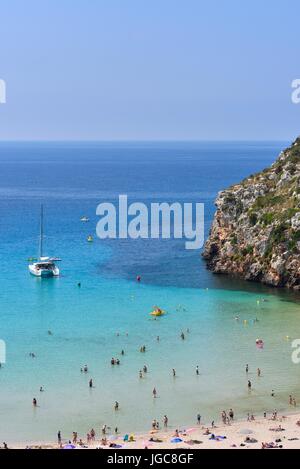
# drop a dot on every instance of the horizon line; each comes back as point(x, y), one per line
point(140, 140)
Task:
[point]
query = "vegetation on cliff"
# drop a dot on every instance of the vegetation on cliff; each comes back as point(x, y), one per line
point(256, 229)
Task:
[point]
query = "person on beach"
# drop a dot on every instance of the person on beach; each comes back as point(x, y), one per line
point(154, 392)
point(265, 415)
point(294, 402)
point(116, 430)
point(153, 424)
point(104, 430)
point(231, 414)
point(59, 437)
point(75, 438)
point(92, 434)
point(198, 419)
point(165, 421)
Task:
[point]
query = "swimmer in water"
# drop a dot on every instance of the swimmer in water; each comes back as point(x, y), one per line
point(154, 392)
point(145, 369)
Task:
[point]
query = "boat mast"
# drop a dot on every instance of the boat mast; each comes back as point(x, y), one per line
point(41, 233)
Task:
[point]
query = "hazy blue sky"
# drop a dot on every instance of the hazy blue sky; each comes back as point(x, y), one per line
point(156, 69)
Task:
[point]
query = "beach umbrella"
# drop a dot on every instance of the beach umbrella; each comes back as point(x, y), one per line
point(176, 440)
point(69, 446)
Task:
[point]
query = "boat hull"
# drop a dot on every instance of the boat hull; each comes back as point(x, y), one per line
point(43, 273)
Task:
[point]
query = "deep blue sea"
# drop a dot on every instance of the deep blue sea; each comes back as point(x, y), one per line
point(110, 311)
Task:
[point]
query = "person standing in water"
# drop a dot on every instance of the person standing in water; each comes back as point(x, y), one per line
point(154, 392)
point(91, 383)
point(197, 370)
point(174, 372)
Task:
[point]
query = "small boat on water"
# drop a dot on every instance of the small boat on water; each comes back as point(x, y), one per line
point(84, 219)
point(90, 239)
point(43, 266)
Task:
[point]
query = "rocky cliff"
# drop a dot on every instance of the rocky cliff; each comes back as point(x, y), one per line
point(256, 229)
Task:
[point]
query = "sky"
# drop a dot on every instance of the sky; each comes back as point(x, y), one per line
point(149, 69)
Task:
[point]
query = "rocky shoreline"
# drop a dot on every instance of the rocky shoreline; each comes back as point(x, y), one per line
point(255, 233)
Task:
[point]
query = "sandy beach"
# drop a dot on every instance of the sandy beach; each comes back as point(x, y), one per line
point(282, 433)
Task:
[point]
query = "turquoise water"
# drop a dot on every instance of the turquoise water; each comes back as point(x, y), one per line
point(110, 311)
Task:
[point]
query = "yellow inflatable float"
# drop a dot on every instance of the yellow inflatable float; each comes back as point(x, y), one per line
point(157, 311)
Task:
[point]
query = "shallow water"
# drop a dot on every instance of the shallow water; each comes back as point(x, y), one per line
point(70, 179)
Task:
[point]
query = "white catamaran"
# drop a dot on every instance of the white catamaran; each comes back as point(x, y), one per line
point(44, 266)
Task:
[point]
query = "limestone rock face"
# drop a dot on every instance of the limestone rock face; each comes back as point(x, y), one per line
point(255, 233)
